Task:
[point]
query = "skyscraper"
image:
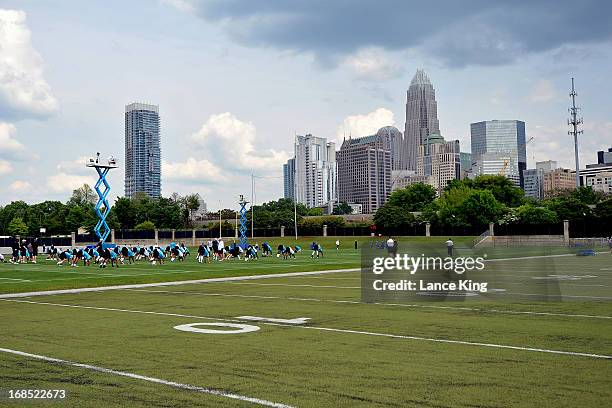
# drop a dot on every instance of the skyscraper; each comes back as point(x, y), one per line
point(289, 179)
point(440, 160)
point(364, 171)
point(142, 150)
point(315, 171)
point(394, 140)
point(421, 118)
point(498, 146)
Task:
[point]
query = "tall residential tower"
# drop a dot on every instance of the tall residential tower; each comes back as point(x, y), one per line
point(142, 150)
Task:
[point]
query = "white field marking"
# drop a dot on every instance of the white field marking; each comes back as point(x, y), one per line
point(173, 283)
point(204, 390)
point(14, 279)
point(560, 295)
point(296, 285)
point(516, 312)
point(329, 329)
point(239, 328)
point(297, 320)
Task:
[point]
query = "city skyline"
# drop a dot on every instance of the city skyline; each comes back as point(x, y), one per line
point(263, 92)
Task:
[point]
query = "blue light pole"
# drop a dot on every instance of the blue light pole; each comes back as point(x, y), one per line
point(102, 207)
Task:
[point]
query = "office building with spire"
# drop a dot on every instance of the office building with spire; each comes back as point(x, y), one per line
point(421, 119)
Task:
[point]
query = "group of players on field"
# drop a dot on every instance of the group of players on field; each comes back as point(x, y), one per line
point(103, 255)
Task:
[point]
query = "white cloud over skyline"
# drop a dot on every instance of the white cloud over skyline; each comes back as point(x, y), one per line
point(364, 125)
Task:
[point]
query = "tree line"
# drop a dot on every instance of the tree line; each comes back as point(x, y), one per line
point(485, 199)
point(140, 212)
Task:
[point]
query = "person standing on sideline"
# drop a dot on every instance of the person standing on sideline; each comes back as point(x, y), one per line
point(391, 246)
point(337, 244)
point(449, 247)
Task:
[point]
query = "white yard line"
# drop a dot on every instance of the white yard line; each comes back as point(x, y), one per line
point(14, 279)
point(204, 390)
point(296, 285)
point(329, 329)
point(173, 283)
point(474, 309)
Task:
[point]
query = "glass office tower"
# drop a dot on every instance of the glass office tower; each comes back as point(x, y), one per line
point(500, 141)
point(142, 150)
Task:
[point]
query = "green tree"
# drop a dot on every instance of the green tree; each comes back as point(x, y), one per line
point(568, 208)
point(83, 195)
point(604, 209)
point(17, 227)
point(75, 218)
point(125, 212)
point(145, 226)
point(392, 216)
point(502, 188)
point(529, 214)
point(586, 195)
point(415, 197)
point(480, 207)
point(343, 208)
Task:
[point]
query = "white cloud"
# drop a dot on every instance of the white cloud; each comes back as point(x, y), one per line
point(5, 167)
point(74, 167)
point(182, 5)
point(10, 148)
point(20, 186)
point(23, 89)
point(364, 125)
point(232, 144)
point(66, 183)
point(373, 64)
point(191, 170)
point(543, 91)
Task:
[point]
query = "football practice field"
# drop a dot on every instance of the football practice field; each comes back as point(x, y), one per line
point(295, 333)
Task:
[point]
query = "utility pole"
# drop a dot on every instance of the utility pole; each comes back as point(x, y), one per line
point(574, 121)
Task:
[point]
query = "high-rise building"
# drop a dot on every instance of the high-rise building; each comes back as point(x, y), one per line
point(533, 180)
point(421, 119)
point(364, 171)
point(604, 157)
point(597, 174)
point(466, 164)
point(289, 179)
point(558, 180)
point(498, 147)
point(546, 166)
point(315, 171)
point(142, 150)
point(394, 140)
point(439, 159)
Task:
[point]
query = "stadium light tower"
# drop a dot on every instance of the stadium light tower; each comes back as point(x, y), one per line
point(574, 121)
point(102, 207)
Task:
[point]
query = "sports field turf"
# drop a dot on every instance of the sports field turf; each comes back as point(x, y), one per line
point(348, 354)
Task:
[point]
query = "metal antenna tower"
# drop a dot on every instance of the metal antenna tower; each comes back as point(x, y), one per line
point(574, 121)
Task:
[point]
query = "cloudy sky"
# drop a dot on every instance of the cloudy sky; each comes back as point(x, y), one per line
point(236, 79)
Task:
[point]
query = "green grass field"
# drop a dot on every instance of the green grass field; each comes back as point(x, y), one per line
point(474, 353)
